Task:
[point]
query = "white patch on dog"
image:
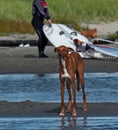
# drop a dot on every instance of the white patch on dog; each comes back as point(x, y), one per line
point(65, 75)
point(70, 52)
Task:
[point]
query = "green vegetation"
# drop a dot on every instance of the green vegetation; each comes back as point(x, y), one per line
point(16, 15)
point(113, 36)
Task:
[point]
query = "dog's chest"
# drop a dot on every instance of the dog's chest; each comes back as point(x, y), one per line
point(66, 74)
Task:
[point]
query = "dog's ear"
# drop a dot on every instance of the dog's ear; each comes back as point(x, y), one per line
point(75, 40)
point(70, 49)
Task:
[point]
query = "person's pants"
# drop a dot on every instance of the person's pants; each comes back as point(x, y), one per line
point(37, 23)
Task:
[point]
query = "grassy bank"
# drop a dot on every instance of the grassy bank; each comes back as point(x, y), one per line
point(15, 15)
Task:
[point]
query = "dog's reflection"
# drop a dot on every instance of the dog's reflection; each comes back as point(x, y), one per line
point(71, 122)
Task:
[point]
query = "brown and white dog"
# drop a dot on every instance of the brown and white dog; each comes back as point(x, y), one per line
point(91, 33)
point(71, 64)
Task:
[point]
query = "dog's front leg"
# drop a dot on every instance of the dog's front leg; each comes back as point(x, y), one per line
point(68, 83)
point(74, 113)
point(62, 98)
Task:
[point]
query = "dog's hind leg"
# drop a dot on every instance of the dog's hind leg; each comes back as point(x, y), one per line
point(83, 91)
point(68, 83)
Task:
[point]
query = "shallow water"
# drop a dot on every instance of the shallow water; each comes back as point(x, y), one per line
point(60, 123)
point(100, 87)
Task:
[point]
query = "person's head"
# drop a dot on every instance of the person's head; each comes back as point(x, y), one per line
point(44, 4)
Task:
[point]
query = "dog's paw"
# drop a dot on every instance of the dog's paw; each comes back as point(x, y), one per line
point(85, 108)
point(74, 114)
point(61, 114)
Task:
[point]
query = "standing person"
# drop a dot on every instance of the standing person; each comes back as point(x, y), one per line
point(40, 12)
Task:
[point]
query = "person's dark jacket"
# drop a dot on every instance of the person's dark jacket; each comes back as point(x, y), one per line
point(38, 9)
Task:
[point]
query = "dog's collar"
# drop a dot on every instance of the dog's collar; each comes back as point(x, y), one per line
point(69, 52)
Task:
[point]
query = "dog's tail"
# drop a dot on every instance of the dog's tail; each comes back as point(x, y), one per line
point(78, 81)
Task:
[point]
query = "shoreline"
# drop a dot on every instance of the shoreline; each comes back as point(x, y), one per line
point(37, 109)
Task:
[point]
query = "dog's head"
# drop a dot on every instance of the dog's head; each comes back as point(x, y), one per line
point(62, 51)
point(77, 41)
point(91, 33)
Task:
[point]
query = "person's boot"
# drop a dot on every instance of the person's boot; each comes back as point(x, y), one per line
point(42, 55)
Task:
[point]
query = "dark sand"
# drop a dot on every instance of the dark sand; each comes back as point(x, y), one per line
point(35, 109)
point(25, 60)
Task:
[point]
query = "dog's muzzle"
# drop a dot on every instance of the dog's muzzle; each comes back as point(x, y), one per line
point(60, 55)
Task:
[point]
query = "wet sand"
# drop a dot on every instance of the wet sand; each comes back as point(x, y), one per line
point(14, 60)
point(36, 109)
point(25, 60)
